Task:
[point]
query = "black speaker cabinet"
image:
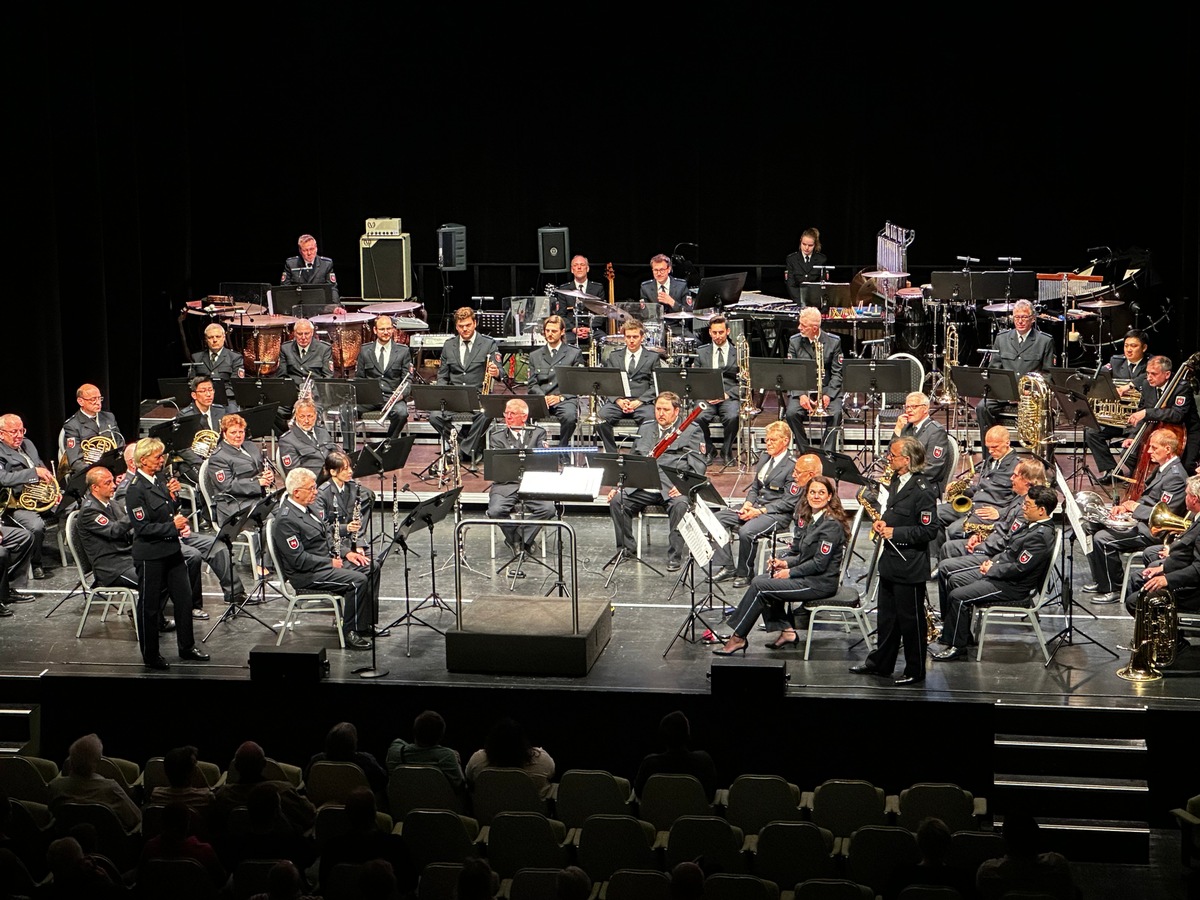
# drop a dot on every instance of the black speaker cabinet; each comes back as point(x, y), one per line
point(734, 677)
point(554, 249)
point(386, 266)
point(452, 248)
point(287, 664)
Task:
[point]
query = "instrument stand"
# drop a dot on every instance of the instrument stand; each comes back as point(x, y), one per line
point(1066, 573)
point(697, 608)
point(636, 472)
point(446, 399)
point(232, 527)
point(426, 514)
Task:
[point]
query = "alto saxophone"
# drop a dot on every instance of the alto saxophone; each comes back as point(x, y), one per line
point(818, 410)
point(956, 491)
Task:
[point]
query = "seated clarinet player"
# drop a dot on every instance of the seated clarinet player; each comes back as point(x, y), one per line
point(809, 571)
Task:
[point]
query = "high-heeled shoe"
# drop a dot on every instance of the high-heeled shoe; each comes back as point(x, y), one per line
point(721, 651)
point(780, 644)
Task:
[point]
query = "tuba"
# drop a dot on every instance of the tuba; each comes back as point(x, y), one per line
point(1033, 413)
point(1155, 636)
point(1116, 413)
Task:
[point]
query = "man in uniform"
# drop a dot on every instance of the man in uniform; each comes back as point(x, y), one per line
point(800, 405)
point(574, 314)
point(305, 444)
point(993, 488)
point(667, 293)
point(802, 265)
point(308, 267)
point(1176, 566)
point(220, 364)
point(1128, 371)
point(543, 377)
point(202, 405)
point(89, 421)
point(465, 361)
point(1022, 349)
point(721, 355)
point(514, 434)
point(638, 363)
point(391, 363)
point(21, 469)
point(302, 356)
point(915, 422)
point(1177, 409)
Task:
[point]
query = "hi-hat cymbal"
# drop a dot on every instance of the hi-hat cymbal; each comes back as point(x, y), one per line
point(999, 307)
point(679, 316)
point(884, 273)
point(1102, 304)
point(575, 295)
point(600, 308)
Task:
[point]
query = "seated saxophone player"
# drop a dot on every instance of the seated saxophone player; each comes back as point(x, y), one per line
point(32, 487)
point(992, 491)
point(90, 432)
point(721, 355)
point(769, 505)
point(220, 364)
point(305, 444)
point(985, 539)
point(303, 544)
point(1128, 371)
point(469, 360)
point(208, 431)
point(1179, 408)
point(1022, 349)
point(515, 434)
point(391, 363)
point(543, 377)
point(809, 571)
point(1007, 577)
point(825, 349)
point(343, 503)
point(1167, 485)
point(915, 422)
point(1176, 566)
point(638, 363)
point(687, 451)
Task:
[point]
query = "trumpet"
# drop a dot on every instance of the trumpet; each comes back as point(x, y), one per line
point(487, 375)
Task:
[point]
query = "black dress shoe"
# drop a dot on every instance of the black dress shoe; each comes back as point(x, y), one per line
point(673, 565)
point(157, 663)
point(354, 642)
point(237, 599)
point(741, 581)
point(39, 573)
point(166, 625)
point(17, 597)
point(723, 575)
point(375, 631)
point(865, 669)
point(909, 679)
point(195, 654)
point(952, 653)
point(5, 612)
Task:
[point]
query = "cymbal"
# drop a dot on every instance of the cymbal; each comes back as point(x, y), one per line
point(1102, 304)
point(390, 307)
point(884, 273)
point(349, 318)
point(575, 295)
point(999, 307)
point(678, 316)
point(410, 323)
point(236, 312)
point(264, 321)
point(600, 308)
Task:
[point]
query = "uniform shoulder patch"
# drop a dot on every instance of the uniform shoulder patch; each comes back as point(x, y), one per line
point(926, 518)
point(220, 476)
point(294, 542)
point(286, 460)
point(1166, 497)
point(939, 452)
point(826, 547)
point(102, 519)
point(70, 443)
point(1025, 557)
point(1180, 400)
point(795, 489)
point(139, 513)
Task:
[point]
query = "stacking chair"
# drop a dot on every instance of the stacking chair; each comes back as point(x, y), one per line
point(709, 836)
point(790, 852)
point(104, 597)
point(521, 840)
point(667, 797)
point(847, 603)
point(844, 805)
point(1027, 615)
point(609, 843)
point(959, 809)
point(247, 540)
point(874, 852)
point(754, 800)
point(302, 603)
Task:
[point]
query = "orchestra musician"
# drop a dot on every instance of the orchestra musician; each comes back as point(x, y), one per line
point(720, 354)
point(993, 488)
point(305, 444)
point(219, 363)
point(342, 502)
point(770, 502)
point(1175, 566)
point(157, 527)
point(1167, 485)
point(237, 478)
point(303, 356)
point(907, 525)
point(202, 405)
point(15, 545)
point(391, 363)
point(543, 377)
point(302, 544)
point(1009, 519)
point(915, 422)
point(810, 571)
point(1177, 409)
point(574, 314)
point(638, 363)
point(515, 434)
point(801, 265)
point(800, 405)
point(465, 360)
point(685, 452)
point(21, 467)
point(1128, 371)
point(664, 291)
point(89, 421)
point(1005, 577)
point(308, 267)
point(1022, 349)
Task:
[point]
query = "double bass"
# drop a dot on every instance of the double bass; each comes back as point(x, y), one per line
point(1141, 439)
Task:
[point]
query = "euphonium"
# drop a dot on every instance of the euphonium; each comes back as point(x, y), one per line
point(1033, 412)
point(1155, 636)
point(1162, 520)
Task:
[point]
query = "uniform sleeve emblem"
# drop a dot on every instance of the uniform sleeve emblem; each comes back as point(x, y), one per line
point(101, 519)
point(800, 523)
point(826, 548)
point(241, 373)
point(220, 476)
point(294, 543)
point(1015, 526)
point(1025, 557)
point(795, 489)
point(283, 278)
point(926, 518)
point(332, 278)
point(70, 443)
point(139, 513)
point(939, 452)
point(287, 460)
point(1180, 400)
point(841, 358)
point(1166, 497)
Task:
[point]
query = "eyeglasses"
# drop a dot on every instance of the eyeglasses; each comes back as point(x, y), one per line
point(12, 430)
point(1022, 318)
point(92, 399)
point(915, 405)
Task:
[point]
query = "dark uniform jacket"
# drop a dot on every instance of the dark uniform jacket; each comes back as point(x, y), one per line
point(500, 438)
point(815, 554)
point(1122, 369)
point(1012, 520)
point(79, 428)
point(451, 369)
point(687, 452)
point(912, 512)
point(677, 290)
point(1024, 561)
point(542, 378)
point(1182, 565)
point(105, 535)
point(566, 306)
point(152, 515)
point(15, 472)
point(778, 494)
point(300, 449)
point(301, 542)
point(228, 365)
point(800, 347)
point(1036, 354)
point(334, 506)
point(933, 438)
point(729, 373)
point(318, 359)
point(233, 479)
point(641, 382)
point(1167, 485)
point(993, 485)
point(800, 272)
point(295, 271)
point(399, 365)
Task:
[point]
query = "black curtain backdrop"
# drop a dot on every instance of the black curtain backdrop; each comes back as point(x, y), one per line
point(157, 155)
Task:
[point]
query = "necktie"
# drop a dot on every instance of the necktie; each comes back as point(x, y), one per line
point(466, 351)
point(214, 359)
point(632, 362)
point(383, 357)
point(720, 357)
point(303, 352)
point(807, 260)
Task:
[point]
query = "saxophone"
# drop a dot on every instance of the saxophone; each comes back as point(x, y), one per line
point(885, 479)
point(956, 491)
point(818, 411)
point(1033, 413)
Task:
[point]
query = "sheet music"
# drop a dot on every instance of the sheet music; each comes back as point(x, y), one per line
point(572, 483)
point(695, 538)
point(1074, 516)
point(710, 523)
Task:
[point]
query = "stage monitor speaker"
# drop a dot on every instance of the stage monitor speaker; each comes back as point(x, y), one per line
point(554, 249)
point(288, 665)
point(452, 248)
point(386, 266)
point(736, 678)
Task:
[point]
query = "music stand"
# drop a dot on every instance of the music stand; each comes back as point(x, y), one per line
point(445, 398)
point(985, 383)
point(592, 381)
point(283, 299)
point(720, 290)
point(1077, 410)
point(256, 512)
point(388, 455)
point(425, 514)
point(782, 375)
point(636, 473)
point(280, 391)
point(698, 538)
point(508, 466)
point(575, 483)
point(178, 388)
point(874, 377)
point(692, 385)
point(342, 395)
point(493, 405)
point(839, 467)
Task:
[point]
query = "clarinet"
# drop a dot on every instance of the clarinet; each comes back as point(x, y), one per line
point(337, 530)
point(395, 509)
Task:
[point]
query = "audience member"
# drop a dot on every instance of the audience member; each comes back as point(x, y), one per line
point(362, 841)
point(283, 883)
point(933, 840)
point(687, 881)
point(186, 783)
point(249, 762)
point(267, 833)
point(677, 759)
point(176, 842)
point(82, 784)
point(477, 881)
point(341, 745)
point(426, 749)
point(573, 884)
point(1023, 868)
point(75, 874)
point(377, 881)
point(507, 747)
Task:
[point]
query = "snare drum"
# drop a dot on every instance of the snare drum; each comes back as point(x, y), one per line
point(260, 338)
point(609, 344)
